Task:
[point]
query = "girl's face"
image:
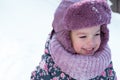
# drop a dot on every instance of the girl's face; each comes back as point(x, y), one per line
point(86, 41)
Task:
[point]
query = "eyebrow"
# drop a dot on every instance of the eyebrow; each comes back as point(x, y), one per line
point(98, 30)
point(85, 33)
point(80, 33)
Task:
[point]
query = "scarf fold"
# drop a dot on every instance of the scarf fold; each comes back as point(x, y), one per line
point(80, 67)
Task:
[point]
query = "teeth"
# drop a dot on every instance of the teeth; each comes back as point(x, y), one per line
point(90, 49)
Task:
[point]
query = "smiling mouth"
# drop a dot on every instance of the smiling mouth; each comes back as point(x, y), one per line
point(89, 51)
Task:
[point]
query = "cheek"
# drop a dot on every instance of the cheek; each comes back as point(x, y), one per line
point(98, 41)
point(77, 46)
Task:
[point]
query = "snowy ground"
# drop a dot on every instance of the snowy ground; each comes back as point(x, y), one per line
point(24, 26)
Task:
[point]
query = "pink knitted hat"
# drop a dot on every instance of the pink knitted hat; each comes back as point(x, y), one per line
point(77, 14)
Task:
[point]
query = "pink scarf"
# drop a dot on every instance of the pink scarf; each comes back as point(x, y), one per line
point(78, 66)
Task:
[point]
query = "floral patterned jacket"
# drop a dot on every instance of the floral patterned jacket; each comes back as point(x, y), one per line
point(48, 70)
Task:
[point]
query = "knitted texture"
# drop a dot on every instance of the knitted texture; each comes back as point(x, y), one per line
point(48, 69)
point(79, 66)
point(77, 14)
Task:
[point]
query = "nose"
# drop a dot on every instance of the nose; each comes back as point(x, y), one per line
point(90, 43)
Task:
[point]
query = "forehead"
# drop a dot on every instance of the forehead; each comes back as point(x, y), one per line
point(93, 29)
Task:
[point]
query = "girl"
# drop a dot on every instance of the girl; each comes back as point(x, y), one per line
point(77, 48)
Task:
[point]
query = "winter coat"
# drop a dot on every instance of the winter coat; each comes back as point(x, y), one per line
point(48, 70)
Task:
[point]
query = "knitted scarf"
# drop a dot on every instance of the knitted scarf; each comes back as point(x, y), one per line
point(80, 67)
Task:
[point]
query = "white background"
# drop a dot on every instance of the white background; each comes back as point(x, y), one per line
point(24, 27)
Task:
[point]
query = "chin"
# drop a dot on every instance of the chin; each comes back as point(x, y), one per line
point(87, 53)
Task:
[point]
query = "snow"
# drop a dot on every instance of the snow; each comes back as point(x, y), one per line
point(24, 27)
point(114, 42)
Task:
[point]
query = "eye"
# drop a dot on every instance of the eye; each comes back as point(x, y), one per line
point(82, 36)
point(98, 34)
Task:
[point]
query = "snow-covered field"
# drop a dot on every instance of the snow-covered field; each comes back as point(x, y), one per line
point(24, 27)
